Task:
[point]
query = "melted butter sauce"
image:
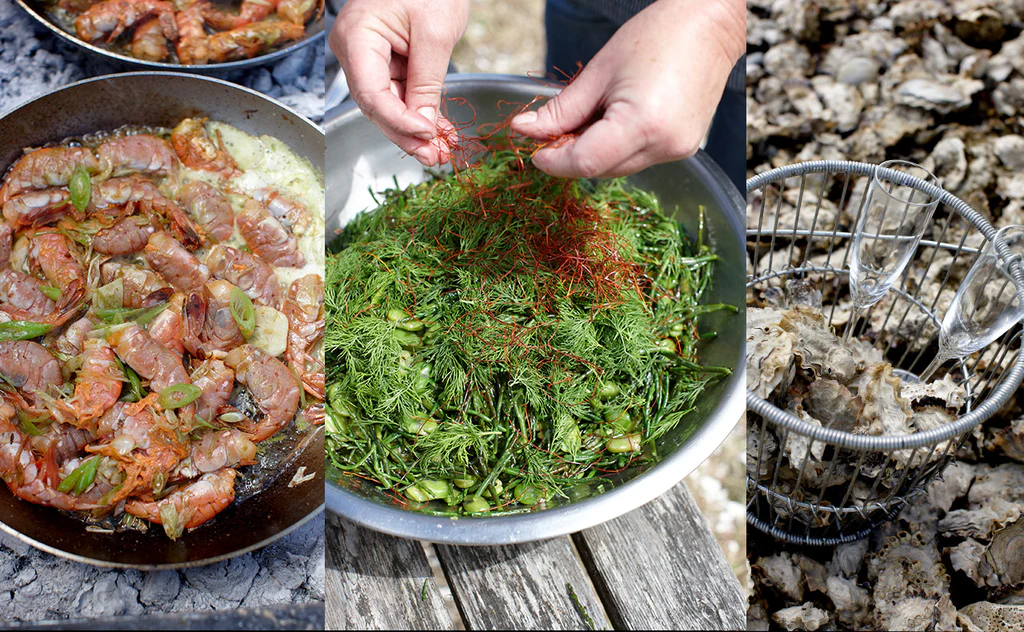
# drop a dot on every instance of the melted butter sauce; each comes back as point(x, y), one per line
point(267, 162)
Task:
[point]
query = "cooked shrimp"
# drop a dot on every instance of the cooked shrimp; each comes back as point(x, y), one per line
point(267, 237)
point(190, 506)
point(75, 6)
point(250, 11)
point(291, 212)
point(52, 254)
point(29, 367)
point(110, 18)
point(139, 284)
point(21, 295)
point(36, 208)
point(71, 341)
point(252, 39)
point(175, 264)
point(137, 153)
point(223, 448)
point(272, 384)
point(208, 206)
point(150, 41)
point(217, 380)
point(209, 329)
point(249, 273)
point(98, 385)
point(193, 46)
point(62, 442)
point(197, 150)
point(27, 475)
point(45, 168)
point(166, 328)
point(304, 307)
point(127, 236)
point(148, 358)
point(144, 447)
point(299, 11)
point(6, 241)
point(124, 195)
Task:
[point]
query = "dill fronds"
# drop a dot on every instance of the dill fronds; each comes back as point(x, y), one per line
point(497, 337)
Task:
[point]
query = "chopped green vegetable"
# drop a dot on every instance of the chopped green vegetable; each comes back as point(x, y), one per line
point(140, 315)
point(81, 477)
point(51, 292)
point(134, 392)
point(179, 395)
point(22, 330)
point(80, 187)
point(498, 338)
point(243, 311)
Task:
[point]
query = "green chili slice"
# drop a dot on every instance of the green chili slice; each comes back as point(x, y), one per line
point(22, 330)
point(179, 395)
point(242, 311)
point(81, 477)
point(141, 315)
point(134, 392)
point(80, 187)
point(51, 292)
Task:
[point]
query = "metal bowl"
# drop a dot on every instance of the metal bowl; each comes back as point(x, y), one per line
point(162, 99)
point(314, 31)
point(360, 159)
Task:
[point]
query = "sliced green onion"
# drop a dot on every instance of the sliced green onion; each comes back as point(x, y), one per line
point(179, 395)
point(49, 291)
point(135, 391)
point(242, 311)
point(119, 315)
point(28, 424)
point(81, 477)
point(22, 330)
point(80, 187)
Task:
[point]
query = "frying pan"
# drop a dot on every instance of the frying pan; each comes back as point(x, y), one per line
point(254, 519)
point(361, 159)
point(35, 8)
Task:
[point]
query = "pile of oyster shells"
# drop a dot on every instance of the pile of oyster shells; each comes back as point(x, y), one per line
point(941, 83)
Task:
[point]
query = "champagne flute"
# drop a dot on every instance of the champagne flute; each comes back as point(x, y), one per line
point(890, 226)
point(985, 307)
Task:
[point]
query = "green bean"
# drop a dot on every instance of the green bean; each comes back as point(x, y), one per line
point(22, 330)
point(628, 443)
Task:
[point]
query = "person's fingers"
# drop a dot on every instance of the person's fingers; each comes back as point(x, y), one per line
point(629, 166)
point(429, 153)
point(429, 55)
point(605, 145)
point(367, 65)
point(571, 108)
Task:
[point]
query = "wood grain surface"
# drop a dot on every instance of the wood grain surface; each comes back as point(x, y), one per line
point(379, 582)
point(659, 568)
point(522, 587)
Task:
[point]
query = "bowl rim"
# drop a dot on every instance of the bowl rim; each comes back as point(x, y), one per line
point(597, 509)
point(158, 65)
point(317, 510)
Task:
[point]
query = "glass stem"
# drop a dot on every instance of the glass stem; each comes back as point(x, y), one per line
point(848, 334)
point(932, 367)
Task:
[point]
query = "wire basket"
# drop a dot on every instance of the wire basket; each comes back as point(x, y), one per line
point(799, 219)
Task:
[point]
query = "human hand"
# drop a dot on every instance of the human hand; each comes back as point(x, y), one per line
point(647, 97)
point(395, 55)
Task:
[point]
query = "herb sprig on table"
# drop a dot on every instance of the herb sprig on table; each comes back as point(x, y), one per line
point(498, 336)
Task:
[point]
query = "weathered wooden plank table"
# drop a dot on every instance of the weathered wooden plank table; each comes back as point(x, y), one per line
point(658, 567)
